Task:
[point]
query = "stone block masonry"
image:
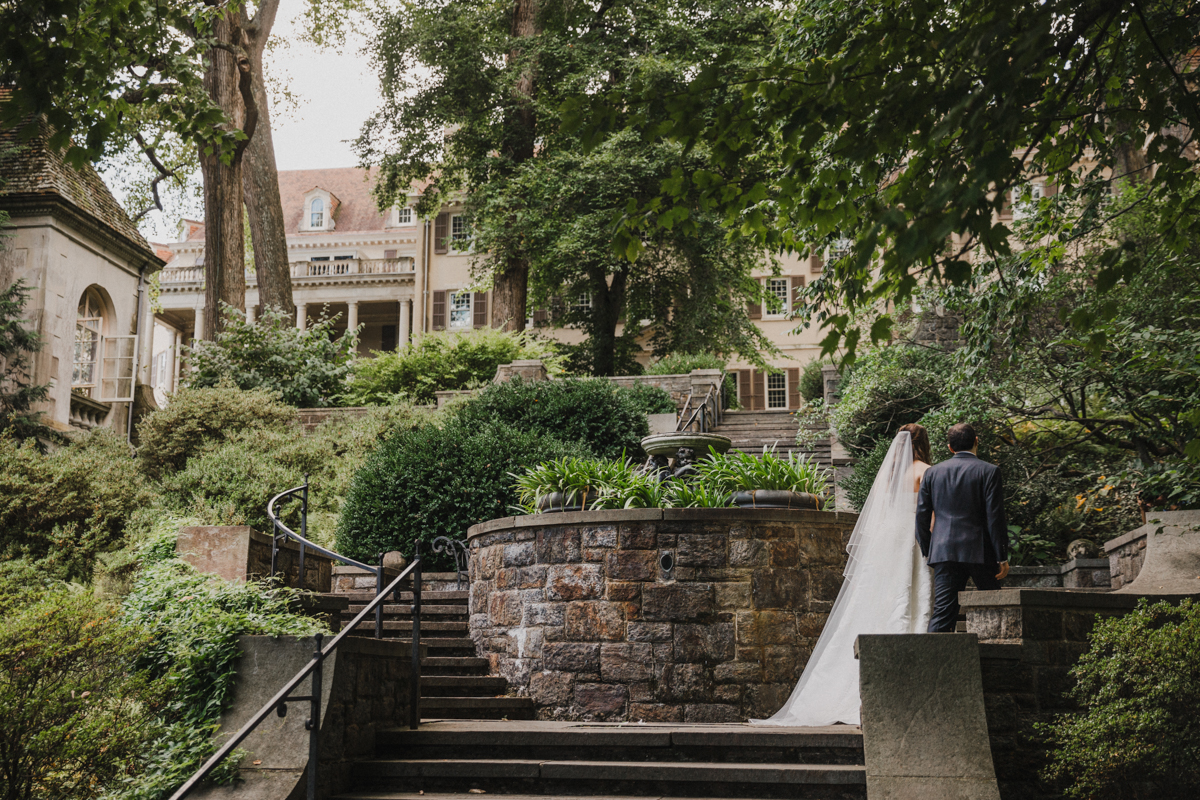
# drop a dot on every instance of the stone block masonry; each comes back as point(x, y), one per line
point(676, 615)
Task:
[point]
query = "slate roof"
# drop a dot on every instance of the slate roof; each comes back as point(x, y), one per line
point(32, 170)
point(350, 185)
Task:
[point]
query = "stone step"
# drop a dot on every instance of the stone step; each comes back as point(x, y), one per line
point(462, 685)
point(427, 598)
point(711, 743)
point(476, 708)
point(454, 665)
point(426, 625)
point(443, 645)
point(596, 778)
point(405, 610)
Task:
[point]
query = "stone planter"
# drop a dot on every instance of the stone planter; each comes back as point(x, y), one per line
point(773, 498)
point(673, 615)
point(556, 501)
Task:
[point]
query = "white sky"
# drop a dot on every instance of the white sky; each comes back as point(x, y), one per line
point(337, 92)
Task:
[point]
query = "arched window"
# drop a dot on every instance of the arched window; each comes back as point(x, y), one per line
point(89, 325)
point(317, 218)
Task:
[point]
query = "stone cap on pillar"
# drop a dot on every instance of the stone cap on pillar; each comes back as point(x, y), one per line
point(528, 369)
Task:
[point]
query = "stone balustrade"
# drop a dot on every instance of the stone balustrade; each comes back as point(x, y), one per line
point(696, 615)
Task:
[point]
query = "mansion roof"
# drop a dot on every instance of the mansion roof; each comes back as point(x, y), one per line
point(356, 209)
point(31, 170)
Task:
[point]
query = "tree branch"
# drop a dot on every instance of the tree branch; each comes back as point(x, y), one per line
point(163, 173)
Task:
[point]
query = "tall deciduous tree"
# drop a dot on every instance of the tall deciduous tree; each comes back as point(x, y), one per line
point(908, 125)
point(472, 97)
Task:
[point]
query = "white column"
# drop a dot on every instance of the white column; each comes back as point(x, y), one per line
point(251, 313)
point(402, 331)
point(176, 342)
point(301, 315)
point(352, 315)
point(198, 328)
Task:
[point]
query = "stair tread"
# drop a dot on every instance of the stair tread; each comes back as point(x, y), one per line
point(406, 609)
point(462, 680)
point(475, 702)
point(576, 769)
point(385, 795)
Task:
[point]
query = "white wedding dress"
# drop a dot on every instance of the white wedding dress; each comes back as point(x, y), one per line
point(887, 589)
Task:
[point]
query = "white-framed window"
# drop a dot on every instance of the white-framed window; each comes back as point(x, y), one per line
point(777, 391)
point(840, 249)
point(460, 228)
point(1022, 208)
point(583, 303)
point(778, 289)
point(89, 325)
point(404, 215)
point(460, 309)
point(316, 213)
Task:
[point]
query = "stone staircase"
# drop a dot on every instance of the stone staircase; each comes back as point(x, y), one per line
point(454, 760)
point(455, 684)
point(751, 431)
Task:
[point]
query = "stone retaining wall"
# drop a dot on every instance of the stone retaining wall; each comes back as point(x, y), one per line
point(1125, 556)
point(1078, 573)
point(577, 611)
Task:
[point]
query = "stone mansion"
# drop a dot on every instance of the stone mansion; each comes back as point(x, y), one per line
point(400, 277)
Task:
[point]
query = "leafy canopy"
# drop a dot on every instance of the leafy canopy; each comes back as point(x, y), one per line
point(907, 126)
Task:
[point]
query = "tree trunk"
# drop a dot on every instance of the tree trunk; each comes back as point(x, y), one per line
point(512, 278)
point(606, 310)
point(260, 180)
point(224, 255)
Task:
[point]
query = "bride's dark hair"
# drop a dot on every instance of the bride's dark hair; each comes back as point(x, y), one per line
point(920, 441)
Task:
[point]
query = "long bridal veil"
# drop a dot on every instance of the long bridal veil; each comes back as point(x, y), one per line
point(886, 590)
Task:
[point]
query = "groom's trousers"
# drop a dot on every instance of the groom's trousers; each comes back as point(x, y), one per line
point(950, 578)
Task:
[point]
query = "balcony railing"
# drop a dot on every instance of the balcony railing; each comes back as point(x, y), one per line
point(305, 269)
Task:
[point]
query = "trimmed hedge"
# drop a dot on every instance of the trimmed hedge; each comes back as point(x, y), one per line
point(605, 420)
point(431, 482)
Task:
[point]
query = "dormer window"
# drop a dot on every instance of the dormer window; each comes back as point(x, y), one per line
point(317, 214)
point(404, 215)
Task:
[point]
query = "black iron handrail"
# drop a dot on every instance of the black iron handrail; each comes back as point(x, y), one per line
point(708, 414)
point(282, 531)
point(278, 703)
point(458, 549)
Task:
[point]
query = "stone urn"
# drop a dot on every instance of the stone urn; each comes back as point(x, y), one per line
point(559, 501)
point(776, 498)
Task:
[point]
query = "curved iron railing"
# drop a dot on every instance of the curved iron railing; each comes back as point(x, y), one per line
point(278, 703)
point(458, 549)
point(709, 411)
point(282, 531)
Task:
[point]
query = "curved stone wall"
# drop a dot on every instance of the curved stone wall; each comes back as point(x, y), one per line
point(696, 615)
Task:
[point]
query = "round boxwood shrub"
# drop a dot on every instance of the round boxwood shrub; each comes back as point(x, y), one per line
point(431, 482)
point(604, 419)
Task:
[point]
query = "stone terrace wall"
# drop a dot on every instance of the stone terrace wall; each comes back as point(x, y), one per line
point(577, 612)
point(1125, 556)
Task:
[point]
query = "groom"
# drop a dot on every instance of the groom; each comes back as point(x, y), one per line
point(964, 499)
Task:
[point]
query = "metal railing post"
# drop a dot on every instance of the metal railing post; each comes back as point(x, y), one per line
point(274, 552)
point(303, 533)
point(414, 689)
point(379, 608)
point(314, 720)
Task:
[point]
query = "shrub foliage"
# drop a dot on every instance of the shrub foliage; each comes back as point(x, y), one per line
point(443, 362)
point(307, 368)
point(432, 481)
point(76, 718)
point(1139, 687)
point(604, 419)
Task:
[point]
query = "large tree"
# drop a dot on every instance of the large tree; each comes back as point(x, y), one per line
point(690, 283)
point(908, 126)
point(472, 100)
point(190, 69)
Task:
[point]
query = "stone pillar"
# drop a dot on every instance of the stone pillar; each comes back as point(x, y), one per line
point(351, 315)
point(402, 331)
point(251, 314)
point(421, 266)
point(831, 379)
point(198, 327)
point(176, 343)
point(301, 315)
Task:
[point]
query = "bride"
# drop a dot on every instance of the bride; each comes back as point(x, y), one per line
point(887, 589)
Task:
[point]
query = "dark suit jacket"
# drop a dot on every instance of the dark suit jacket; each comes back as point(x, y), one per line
point(965, 499)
